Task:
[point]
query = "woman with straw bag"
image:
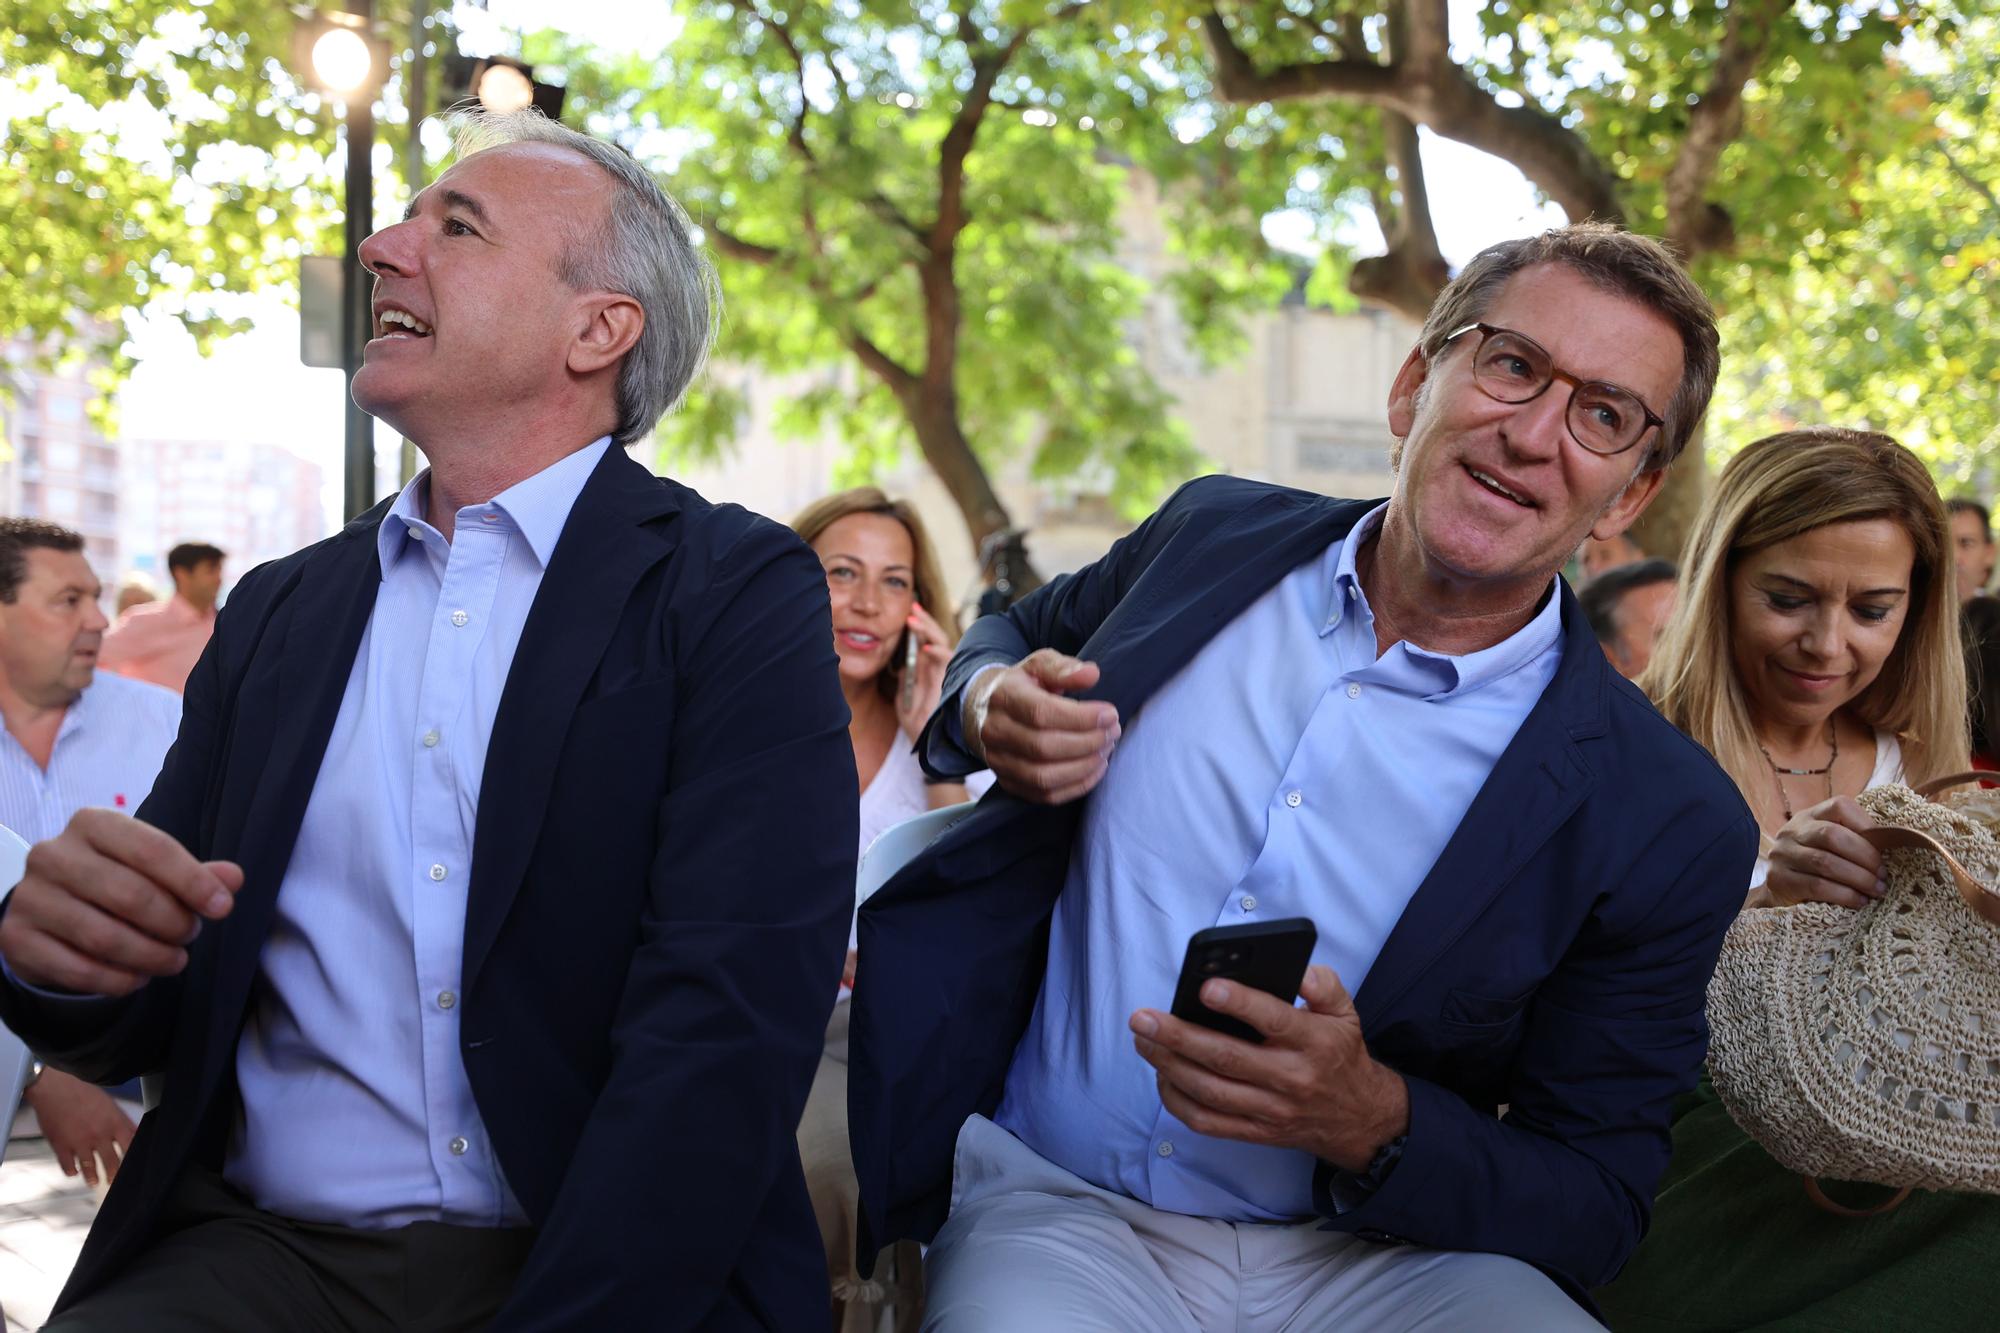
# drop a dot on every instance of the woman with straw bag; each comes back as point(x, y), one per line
point(1816, 654)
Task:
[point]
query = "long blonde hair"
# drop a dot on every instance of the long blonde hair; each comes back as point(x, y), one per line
point(1776, 489)
point(927, 576)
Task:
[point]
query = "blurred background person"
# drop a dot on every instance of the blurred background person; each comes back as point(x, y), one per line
point(883, 579)
point(1815, 654)
point(1971, 546)
point(74, 738)
point(135, 591)
point(1628, 607)
point(1594, 557)
point(161, 641)
point(1979, 626)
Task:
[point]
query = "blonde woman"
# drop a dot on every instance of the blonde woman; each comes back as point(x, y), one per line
point(1815, 652)
point(883, 583)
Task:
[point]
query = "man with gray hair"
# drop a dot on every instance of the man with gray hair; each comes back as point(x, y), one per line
point(486, 917)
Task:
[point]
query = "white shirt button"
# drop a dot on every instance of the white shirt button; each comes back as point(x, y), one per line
point(1249, 902)
point(1354, 691)
point(446, 999)
point(460, 619)
point(1352, 592)
point(458, 1146)
point(1293, 798)
point(431, 739)
point(437, 872)
point(1166, 1149)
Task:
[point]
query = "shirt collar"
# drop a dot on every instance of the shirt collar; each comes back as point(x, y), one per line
point(537, 507)
point(1458, 674)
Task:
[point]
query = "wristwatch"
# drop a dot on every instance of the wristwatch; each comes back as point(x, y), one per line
point(35, 1068)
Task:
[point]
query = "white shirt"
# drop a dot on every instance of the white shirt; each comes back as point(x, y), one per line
point(1888, 769)
point(356, 1107)
point(108, 750)
point(897, 793)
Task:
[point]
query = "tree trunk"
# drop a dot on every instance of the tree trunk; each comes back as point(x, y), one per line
point(933, 415)
point(1662, 531)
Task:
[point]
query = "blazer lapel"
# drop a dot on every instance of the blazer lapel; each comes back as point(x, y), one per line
point(600, 558)
point(322, 624)
point(1540, 779)
point(1180, 604)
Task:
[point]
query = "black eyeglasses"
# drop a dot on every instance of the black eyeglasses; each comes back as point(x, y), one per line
point(1513, 368)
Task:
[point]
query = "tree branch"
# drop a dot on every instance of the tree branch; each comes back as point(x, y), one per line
point(1694, 224)
point(1433, 91)
point(1408, 278)
point(1972, 182)
point(738, 248)
point(884, 367)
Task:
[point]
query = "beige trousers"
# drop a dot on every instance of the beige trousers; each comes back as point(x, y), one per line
point(1031, 1247)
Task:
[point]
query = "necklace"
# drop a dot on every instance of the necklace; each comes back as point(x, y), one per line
point(1778, 775)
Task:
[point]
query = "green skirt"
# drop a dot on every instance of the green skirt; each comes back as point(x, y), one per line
point(1736, 1244)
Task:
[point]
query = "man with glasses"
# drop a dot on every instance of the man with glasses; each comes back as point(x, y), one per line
point(1390, 718)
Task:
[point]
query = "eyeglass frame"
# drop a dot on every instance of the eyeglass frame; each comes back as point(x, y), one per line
point(1654, 421)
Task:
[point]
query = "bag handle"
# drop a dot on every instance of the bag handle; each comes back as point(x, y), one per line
point(1936, 785)
point(1986, 906)
point(1818, 1196)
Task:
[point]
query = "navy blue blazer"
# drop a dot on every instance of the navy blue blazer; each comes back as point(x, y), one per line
point(1554, 960)
point(662, 873)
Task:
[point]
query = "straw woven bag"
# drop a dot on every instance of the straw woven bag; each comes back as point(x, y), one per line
point(1865, 1045)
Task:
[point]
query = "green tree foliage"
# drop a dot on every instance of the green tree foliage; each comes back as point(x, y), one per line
point(1743, 131)
point(928, 195)
point(1882, 314)
point(156, 154)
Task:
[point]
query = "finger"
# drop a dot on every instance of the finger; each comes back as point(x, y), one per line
point(40, 959)
point(1842, 842)
point(1034, 709)
point(112, 1161)
point(1204, 1086)
point(1206, 1120)
point(1057, 671)
point(1008, 739)
point(103, 939)
point(1325, 993)
point(138, 902)
point(156, 855)
point(1792, 890)
point(1842, 810)
point(1819, 864)
point(1049, 784)
point(1217, 1052)
point(1275, 1018)
point(927, 627)
point(87, 1160)
point(64, 1157)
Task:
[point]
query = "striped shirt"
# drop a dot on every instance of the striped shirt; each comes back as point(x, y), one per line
point(107, 753)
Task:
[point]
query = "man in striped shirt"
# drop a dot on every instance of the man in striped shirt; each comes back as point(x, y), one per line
point(74, 737)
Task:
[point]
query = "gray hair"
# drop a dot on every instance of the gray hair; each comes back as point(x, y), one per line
point(1636, 267)
point(644, 250)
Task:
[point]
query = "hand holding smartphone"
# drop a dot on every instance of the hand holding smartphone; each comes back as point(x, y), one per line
point(1272, 956)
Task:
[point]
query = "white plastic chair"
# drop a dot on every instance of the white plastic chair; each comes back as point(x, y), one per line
point(14, 1056)
point(896, 846)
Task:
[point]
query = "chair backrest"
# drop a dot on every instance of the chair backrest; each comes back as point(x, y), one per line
point(14, 1056)
point(898, 844)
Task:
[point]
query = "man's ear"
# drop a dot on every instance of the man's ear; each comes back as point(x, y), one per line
point(612, 324)
point(1403, 393)
point(1622, 512)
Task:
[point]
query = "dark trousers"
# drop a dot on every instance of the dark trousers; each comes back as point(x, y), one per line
point(222, 1265)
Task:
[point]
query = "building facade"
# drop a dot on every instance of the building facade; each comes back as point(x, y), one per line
point(59, 467)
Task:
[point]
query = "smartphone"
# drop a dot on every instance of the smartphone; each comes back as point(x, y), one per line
point(1270, 955)
point(907, 687)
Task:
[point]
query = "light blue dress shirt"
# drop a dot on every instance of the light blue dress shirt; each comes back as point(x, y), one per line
point(355, 1105)
point(107, 752)
point(1286, 770)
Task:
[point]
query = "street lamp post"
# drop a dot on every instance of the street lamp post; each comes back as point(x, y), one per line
point(357, 313)
point(347, 61)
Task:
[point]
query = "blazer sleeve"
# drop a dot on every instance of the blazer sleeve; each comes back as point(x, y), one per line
point(1566, 1180)
point(1061, 614)
point(110, 1040)
point(720, 1027)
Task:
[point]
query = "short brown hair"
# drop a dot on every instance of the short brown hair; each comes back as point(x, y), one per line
point(928, 577)
point(18, 536)
point(1619, 262)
